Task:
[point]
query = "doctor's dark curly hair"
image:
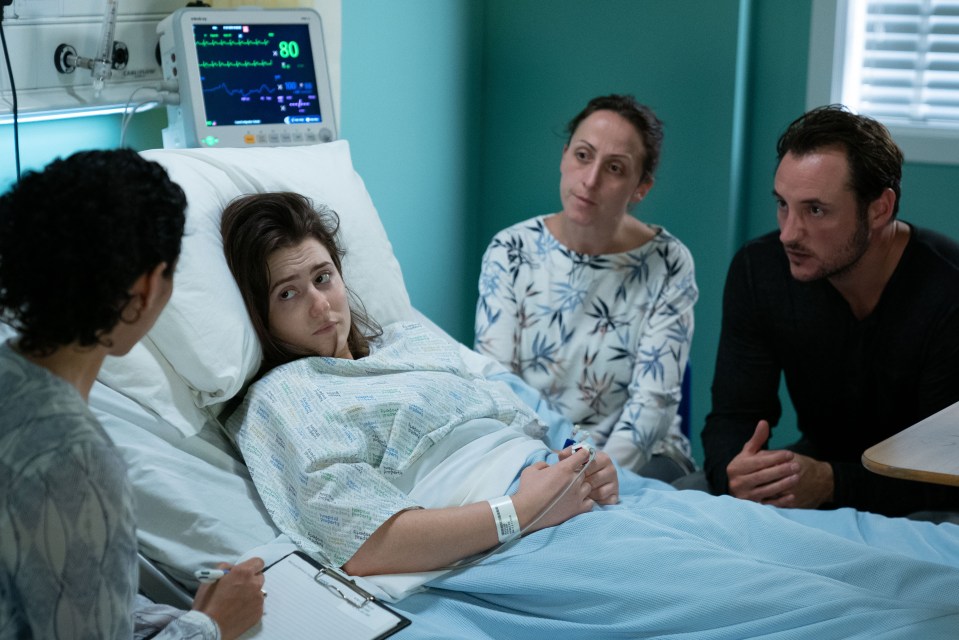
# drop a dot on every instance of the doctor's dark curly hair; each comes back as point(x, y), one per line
point(75, 236)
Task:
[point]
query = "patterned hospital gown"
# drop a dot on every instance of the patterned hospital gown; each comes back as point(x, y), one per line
point(604, 338)
point(68, 543)
point(327, 440)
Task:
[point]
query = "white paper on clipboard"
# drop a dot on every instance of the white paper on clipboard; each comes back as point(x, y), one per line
point(305, 601)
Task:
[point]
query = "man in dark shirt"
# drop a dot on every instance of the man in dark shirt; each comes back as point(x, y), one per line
point(859, 311)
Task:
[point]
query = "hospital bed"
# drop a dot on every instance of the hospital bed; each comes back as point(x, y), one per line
point(197, 505)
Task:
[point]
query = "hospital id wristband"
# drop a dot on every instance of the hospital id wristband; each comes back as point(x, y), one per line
point(504, 514)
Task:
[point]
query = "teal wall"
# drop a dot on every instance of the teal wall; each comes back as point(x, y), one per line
point(410, 77)
point(455, 111)
point(929, 196)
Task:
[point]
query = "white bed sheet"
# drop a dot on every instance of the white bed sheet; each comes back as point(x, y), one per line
point(196, 505)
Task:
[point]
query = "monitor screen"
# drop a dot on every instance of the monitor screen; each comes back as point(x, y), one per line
point(246, 77)
point(256, 74)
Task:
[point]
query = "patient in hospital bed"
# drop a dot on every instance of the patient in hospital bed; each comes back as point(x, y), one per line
point(386, 453)
point(414, 394)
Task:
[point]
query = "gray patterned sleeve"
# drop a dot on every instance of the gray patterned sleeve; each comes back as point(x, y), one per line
point(69, 548)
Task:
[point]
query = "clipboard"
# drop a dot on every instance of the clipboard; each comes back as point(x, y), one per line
point(308, 600)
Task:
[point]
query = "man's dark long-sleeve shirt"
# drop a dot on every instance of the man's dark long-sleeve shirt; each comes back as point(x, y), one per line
point(852, 382)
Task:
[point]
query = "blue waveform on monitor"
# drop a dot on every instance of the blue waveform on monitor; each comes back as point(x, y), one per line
point(243, 93)
point(270, 102)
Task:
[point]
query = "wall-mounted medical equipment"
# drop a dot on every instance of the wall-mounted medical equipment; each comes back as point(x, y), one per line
point(35, 31)
point(246, 77)
point(111, 54)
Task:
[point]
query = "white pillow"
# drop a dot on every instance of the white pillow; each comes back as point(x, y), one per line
point(204, 334)
point(147, 378)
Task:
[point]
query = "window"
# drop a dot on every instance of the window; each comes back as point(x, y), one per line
point(896, 60)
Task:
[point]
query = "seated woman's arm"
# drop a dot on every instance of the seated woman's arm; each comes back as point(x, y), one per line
point(660, 357)
point(427, 539)
point(498, 307)
point(654, 394)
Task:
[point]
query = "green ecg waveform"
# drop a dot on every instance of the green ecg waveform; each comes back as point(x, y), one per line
point(233, 43)
point(235, 64)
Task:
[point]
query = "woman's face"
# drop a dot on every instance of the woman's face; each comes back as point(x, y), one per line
point(602, 169)
point(309, 307)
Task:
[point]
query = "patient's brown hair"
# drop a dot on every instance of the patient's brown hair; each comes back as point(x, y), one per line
point(253, 227)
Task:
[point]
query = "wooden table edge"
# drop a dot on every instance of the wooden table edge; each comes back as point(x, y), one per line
point(919, 475)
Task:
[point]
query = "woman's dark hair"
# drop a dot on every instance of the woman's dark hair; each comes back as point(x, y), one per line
point(647, 125)
point(875, 161)
point(253, 227)
point(75, 236)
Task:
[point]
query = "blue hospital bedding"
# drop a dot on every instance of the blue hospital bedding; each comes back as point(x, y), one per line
point(671, 564)
point(661, 564)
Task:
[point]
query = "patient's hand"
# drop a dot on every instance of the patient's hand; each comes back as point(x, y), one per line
point(235, 601)
point(427, 539)
point(541, 483)
point(601, 476)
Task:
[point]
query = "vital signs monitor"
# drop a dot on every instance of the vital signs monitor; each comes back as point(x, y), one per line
point(246, 77)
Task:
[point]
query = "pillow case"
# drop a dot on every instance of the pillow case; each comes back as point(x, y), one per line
point(204, 334)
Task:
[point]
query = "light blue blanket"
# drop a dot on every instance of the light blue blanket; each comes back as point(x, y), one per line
point(662, 564)
point(682, 564)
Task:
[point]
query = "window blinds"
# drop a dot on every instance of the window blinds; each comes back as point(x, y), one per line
point(902, 61)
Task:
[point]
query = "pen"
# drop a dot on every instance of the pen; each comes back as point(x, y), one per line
point(210, 575)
